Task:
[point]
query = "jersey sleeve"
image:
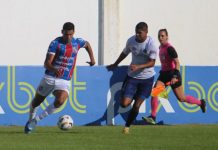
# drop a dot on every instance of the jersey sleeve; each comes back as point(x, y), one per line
point(81, 42)
point(172, 52)
point(126, 50)
point(52, 47)
point(153, 50)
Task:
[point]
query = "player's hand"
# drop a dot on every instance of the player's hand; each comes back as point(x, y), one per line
point(58, 72)
point(173, 81)
point(134, 67)
point(111, 67)
point(91, 63)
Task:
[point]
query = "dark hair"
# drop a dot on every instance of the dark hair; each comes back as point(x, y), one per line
point(141, 26)
point(68, 26)
point(163, 30)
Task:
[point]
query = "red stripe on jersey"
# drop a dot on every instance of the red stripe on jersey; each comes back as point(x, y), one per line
point(71, 71)
point(67, 54)
point(69, 50)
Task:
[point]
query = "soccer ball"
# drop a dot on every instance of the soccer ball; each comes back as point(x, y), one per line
point(65, 122)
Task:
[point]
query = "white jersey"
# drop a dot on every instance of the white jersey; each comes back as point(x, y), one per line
point(141, 54)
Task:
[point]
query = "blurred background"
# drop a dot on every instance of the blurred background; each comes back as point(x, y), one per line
point(28, 26)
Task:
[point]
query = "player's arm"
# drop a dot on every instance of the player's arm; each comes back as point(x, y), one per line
point(149, 64)
point(121, 57)
point(48, 64)
point(176, 60)
point(173, 54)
point(90, 53)
point(116, 63)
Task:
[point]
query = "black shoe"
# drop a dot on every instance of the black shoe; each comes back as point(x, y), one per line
point(203, 105)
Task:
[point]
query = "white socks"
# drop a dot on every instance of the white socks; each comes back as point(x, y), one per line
point(32, 113)
point(49, 110)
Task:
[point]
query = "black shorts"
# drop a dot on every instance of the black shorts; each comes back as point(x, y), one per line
point(166, 76)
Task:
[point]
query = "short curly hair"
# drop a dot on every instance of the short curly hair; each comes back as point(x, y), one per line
point(68, 26)
point(141, 26)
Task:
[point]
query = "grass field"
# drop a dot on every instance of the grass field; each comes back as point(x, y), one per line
point(176, 137)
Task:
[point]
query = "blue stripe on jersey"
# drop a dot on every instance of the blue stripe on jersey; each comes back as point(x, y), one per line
point(65, 55)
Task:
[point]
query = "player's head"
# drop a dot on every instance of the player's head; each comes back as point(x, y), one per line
point(68, 31)
point(141, 31)
point(163, 36)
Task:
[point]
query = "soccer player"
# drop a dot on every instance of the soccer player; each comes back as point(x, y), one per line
point(59, 65)
point(140, 78)
point(170, 72)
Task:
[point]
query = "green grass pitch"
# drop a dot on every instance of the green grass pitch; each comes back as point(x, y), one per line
point(175, 137)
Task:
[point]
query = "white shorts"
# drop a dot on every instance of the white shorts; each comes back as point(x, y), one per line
point(50, 84)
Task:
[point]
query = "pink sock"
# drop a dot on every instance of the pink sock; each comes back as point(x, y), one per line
point(192, 100)
point(154, 106)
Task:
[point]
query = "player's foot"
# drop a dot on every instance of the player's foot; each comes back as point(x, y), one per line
point(126, 130)
point(26, 128)
point(30, 125)
point(150, 120)
point(203, 105)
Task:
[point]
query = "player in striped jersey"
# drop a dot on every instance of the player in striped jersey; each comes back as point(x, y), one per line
point(59, 64)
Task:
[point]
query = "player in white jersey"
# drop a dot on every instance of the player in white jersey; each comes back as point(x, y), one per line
point(140, 77)
point(59, 65)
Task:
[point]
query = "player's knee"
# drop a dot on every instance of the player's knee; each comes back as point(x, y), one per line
point(125, 102)
point(58, 104)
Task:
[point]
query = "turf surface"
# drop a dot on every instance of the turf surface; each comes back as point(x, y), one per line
point(177, 137)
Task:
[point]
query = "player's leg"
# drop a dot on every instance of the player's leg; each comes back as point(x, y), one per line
point(144, 87)
point(60, 97)
point(163, 78)
point(134, 111)
point(125, 102)
point(37, 100)
point(154, 105)
point(31, 123)
point(179, 93)
point(61, 92)
point(45, 87)
point(128, 90)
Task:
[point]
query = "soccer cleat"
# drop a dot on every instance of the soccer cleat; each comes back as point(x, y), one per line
point(203, 105)
point(26, 128)
point(126, 130)
point(30, 125)
point(149, 120)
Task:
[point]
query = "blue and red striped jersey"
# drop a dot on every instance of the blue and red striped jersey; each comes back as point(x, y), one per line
point(65, 56)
